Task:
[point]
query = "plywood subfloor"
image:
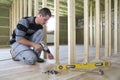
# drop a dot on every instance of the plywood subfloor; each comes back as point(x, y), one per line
point(15, 70)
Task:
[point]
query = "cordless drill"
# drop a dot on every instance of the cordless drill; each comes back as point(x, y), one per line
point(44, 46)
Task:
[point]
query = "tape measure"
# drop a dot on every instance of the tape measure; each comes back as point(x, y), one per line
point(83, 65)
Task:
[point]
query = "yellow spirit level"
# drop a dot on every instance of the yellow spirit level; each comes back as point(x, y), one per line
point(83, 65)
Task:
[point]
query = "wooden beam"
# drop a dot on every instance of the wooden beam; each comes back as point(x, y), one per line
point(12, 16)
point(21, 8)
point(91, 25)
point(115, 26)
point(106, 28)
point(110, 53)
point(94, 27)
point(36, 7)
point(56, 34)
point(25, 8)
point(97, 29)
point(71, 31)
point(15, 14)
point(86, 30)
point(119, 24)
point(101, 29)
point(18, 10)
point(10, 19)
point(44, 4)
point(29, 7)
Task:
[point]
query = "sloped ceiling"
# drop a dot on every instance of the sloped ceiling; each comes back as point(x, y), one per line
point(63, 6)
point(50, 4)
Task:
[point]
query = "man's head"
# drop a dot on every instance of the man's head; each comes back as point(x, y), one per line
point(43, 16)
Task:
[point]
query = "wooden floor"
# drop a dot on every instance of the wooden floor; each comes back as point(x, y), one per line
point(15, 70)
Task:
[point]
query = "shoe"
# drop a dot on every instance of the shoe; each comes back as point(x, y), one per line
point(40, 60)
point(12, 53)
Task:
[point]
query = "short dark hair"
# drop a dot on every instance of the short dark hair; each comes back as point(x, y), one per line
point(45, 12)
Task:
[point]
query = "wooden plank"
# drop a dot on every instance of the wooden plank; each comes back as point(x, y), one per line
point(86, 28)
point(4, 46)
point(29, 7)
point(4, 36)
point(56, 32)
point(97, 29)
point(71, 31)
point(94, 28)
point(119, 25)
point(35, 7)
point(115, 26)
point(4, 17)
point(101, 29)
point(44, 4)
point(110, 30)
point(25, 8)
point(91, 25)
point(18, 10)
point(21, 8)
point(106, 28)
point(10, 20)
point(4, 26)
point(14, 13)
point(15, 70)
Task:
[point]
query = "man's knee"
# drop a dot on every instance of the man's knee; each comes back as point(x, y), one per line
point(30, 60)
point(28, 57)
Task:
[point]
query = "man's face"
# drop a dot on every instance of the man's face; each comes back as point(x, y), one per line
point(43, 19)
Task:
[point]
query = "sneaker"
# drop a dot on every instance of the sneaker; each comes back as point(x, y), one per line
point(40, 60)
point(12, 53)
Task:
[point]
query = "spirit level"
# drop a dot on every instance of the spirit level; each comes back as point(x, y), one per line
point(83, 65)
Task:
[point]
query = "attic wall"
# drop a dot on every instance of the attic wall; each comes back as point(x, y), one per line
point(4, 26)
point(4, 29)
point(64, 31)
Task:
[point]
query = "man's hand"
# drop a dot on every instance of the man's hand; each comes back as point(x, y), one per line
point(38, 47)
point(50, 56)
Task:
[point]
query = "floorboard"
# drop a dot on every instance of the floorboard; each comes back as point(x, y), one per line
point(15, 70)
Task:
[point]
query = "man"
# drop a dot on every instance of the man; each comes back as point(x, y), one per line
point(27, 38)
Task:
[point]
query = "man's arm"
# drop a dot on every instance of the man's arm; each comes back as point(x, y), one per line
point(30, 43)
point(46, 49)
